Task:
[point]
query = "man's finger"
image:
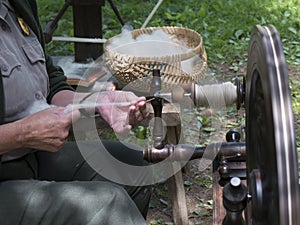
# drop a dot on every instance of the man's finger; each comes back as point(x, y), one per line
point(73, 114)
point(131, 115)
point(138, 115)
point(143, 108)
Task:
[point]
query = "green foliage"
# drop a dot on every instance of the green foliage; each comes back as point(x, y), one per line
point(160, 221)
point(224, 25)
point(48, 11)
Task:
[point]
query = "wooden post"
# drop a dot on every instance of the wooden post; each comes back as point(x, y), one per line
point(176, 185)
point(218, 208)
point(177, 196)
point(87, 18)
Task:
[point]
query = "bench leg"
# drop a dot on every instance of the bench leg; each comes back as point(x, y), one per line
point(177, 195)
point(176, 186)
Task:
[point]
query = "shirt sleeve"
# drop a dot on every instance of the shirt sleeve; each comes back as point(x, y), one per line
point(57, 79)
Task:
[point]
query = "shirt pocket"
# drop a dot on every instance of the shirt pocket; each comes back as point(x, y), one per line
point(34, 51)
point(8, 63)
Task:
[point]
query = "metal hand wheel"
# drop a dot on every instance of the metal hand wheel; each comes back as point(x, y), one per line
point(272, 163)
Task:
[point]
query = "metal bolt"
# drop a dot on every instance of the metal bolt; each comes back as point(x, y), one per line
point(235, 182)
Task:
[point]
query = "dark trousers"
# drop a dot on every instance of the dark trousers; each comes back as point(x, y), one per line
point(61, 188)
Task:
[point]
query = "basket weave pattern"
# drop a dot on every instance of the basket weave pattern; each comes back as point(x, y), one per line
point(137, 70)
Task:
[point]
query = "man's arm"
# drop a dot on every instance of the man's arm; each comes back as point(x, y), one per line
point(66, 97)
point(46, 130)
point(57, 80)
point(10, 137)
point(120, 118)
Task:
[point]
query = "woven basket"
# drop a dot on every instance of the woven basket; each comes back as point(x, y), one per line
point(136, 71)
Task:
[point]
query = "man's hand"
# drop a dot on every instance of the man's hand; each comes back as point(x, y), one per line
point(122, 118)
point(48, 129)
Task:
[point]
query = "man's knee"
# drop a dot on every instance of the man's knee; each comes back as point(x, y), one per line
point(114, 206)
point(41, 202)
point(113, 192)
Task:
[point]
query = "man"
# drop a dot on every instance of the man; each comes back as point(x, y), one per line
point(43, 179)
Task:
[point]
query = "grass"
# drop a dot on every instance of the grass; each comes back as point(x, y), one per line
point(224, 25)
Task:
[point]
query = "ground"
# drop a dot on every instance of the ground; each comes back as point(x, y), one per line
point(198, 185)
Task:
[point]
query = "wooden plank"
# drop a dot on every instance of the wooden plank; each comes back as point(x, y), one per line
point(177, 196)
point(218, 209)
point(175, 184)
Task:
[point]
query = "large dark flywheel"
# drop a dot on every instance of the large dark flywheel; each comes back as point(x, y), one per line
point(272, 162)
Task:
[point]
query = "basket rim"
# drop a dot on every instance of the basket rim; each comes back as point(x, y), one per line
point(199, 49)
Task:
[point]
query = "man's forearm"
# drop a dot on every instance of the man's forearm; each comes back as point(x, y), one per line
point(66, 97)
point(13, 135)
point(10, 137)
